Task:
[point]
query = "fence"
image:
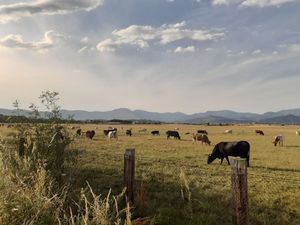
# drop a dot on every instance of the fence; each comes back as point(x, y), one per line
point(238, 196)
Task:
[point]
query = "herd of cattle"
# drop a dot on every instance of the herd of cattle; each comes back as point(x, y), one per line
point(221, 150)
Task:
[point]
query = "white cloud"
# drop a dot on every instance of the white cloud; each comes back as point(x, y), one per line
point(225, 2)
point(18, 10)
point(185, 50)
point(85, 40)
point(255, 52)
point(253, 3)
point(16, 41)
point(140, 36)
point(294, 48)
point(83, 49)
point(264, 3)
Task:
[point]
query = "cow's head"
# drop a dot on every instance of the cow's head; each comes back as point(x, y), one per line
point(215, 154)
point(275, 142)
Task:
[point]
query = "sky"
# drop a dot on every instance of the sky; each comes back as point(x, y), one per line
point(156, 55)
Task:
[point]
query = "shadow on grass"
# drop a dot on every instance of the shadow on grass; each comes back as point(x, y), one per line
point(277, 169)
point(160, 197)
point(292, 146)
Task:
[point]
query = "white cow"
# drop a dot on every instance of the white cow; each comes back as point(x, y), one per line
point(228, 131)
point(112, 134)
point(279, 139)
point(298, 132)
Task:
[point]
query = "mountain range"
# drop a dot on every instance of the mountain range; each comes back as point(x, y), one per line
point(291, 116)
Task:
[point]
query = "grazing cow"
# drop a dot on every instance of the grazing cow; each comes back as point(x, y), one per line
point(108, 130)
point(78, 132)
point(201, 137)
point(224, 149)
point(228, 131)
point(112, 134)
point(176, 128)
point(174, 134)
point(143, 130)
point(202, 132)
point(129, 132)
point(298, 132)
point(90, 134)
point(155, 133)
point(187, 133)
point(260, 132)
point(279, 139)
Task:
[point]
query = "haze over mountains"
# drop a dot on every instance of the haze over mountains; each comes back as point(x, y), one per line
point(291, 116)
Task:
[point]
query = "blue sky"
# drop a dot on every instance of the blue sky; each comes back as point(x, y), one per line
point(156, 55)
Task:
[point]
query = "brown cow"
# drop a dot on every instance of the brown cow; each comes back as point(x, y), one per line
point(260, 132)
point(201, 137)
point(90, 134)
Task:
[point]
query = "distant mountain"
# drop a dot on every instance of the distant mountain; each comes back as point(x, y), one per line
point(215, 120)
point(222, 116)
point(288, 119)
point(125, 114)
point(227, 114)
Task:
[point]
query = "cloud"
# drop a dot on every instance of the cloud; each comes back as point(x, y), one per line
point(83, 49)
point(18, 10)
point(225, 2)
point(51, 38)
point(185, 50)
point(256, 52)
point(294, 48)
point(140, 36)
point(85, 40)
point(264, 3)
point(252, 3)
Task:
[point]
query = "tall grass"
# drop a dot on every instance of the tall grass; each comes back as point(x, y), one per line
point(32, 191)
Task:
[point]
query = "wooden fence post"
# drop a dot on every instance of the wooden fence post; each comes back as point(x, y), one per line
point(239, 190)
point(129, 170)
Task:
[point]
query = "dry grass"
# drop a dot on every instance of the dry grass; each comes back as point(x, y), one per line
point(274, 173)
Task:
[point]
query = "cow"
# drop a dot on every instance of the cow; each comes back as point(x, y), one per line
point(260, 132)
point(279, 139)
point(297, 132)
point(201, 137)
point(112, 134)
point(155, 133)
point(108, 130)
point(174, 134)
point(129, 132)
point(143, 130)
point(176, 128)
point(228, 131)
point(224, 149)
point(202, 132)
point(78, 132)
point(90, 134)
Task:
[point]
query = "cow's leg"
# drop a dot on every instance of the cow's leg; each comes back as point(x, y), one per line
point(227, 160)
point(221, 160)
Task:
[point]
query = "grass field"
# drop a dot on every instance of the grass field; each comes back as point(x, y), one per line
point(273, 176)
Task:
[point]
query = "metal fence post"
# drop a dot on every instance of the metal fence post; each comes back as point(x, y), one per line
point(129, 170)
point(239, 190)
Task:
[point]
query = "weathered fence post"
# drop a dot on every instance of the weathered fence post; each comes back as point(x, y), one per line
point(129, 169)
point(239, 190)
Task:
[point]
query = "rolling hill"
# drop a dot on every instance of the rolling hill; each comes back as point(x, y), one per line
point(291, 116)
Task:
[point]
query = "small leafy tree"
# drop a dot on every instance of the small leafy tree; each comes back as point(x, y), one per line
point(38, 145)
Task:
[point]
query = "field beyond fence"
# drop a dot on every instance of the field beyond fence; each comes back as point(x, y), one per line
point(173, 183)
